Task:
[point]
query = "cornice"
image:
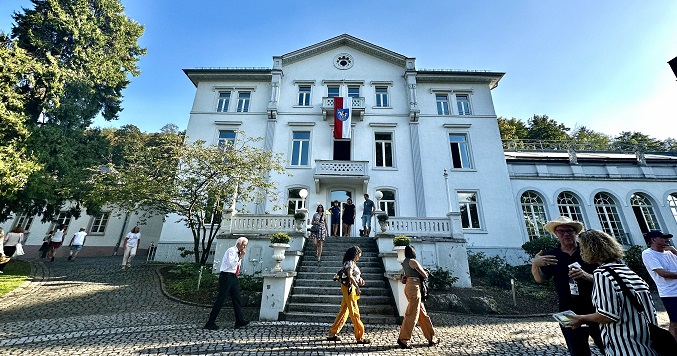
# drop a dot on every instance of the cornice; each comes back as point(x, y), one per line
point(344, 40)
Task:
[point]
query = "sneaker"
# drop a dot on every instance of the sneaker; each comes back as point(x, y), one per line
point(211, 326)
point(241, 325)
point(51, 259)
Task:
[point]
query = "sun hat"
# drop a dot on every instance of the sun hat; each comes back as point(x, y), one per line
point(564, 220)
point(655, 233)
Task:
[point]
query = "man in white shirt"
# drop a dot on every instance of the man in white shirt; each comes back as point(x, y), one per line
point(660, 260)
point(76, 243)
point(229, 286)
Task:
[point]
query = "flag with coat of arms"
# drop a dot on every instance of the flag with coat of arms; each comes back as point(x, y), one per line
point(342, 114)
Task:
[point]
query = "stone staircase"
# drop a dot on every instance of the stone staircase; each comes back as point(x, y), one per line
point(315, 297)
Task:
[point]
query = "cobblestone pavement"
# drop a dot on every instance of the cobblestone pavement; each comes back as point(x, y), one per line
point(92, 307)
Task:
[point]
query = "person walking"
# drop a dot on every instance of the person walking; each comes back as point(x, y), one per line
point(131, 244)
point(348, 217)
point(624, 329)
point(367, 213)
point(351, 293)
point(572, 285)
point(229, 286)
point(9, 242)
point(56, 241)
point(335, 211)
point(77, 241)
point(318, 236)
point(415, 312)
point(660, 259)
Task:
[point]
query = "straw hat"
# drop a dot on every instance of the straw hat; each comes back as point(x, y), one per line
point(564, 220)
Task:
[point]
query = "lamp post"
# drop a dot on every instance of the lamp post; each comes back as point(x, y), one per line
point(446, 184)
point(303, 193)
point(378, 195)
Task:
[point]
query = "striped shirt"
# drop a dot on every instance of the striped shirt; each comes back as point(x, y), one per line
point(628, 333)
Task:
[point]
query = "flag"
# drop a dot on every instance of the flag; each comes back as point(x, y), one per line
point(342, 113)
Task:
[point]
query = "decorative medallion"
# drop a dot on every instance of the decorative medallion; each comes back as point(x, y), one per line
point(343, 61)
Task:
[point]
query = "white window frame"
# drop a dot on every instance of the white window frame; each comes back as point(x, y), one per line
point(359, 91)
point(468, 205)
point(383, 203)
point(304, 98)
point(534, 213)
point(672, 202)
point(220, 107)
point(383, 143)
point(62, 218)
point(243, 102)
point(228, 142)
point(468, 151)
point(336, 86)
point(379, 97)
point(458, 103)
point(443, 106)
point(25, 222)
point(99, 223)
point(640, 201)
point(298, 202)
point(607, 213)
point(291, 149)
point(569, 204)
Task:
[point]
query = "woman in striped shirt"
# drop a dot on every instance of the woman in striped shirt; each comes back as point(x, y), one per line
point(624, 329)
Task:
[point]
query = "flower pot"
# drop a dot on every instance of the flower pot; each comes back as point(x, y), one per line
point(278, 255)
point(400, 253)
point(300, 225)
point(384, 225)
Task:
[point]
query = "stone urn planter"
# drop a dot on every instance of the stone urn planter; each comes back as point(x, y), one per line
point(278, 255)
point(400, 253)
point(382, 221)
point(400, 243)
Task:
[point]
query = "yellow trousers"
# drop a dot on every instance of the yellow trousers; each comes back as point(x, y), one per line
point(415, 312)
point(348, 308)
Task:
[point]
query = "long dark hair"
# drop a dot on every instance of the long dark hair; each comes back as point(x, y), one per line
point(410, 252)
point(351, 253)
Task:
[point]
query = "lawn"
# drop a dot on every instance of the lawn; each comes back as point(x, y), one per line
point(16, 273)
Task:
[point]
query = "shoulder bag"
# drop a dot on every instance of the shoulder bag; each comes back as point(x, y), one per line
point(661, 340)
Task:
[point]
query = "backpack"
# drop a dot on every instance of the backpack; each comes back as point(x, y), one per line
point(342, 277)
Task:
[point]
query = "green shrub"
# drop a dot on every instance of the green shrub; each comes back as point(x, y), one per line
point(299, 216)
point(545, 243)
point(494, 271)
point(251, 283)
point(382, 217)
point(633, 258)
point(280, 238)
point(401, 240)
point(185, 252)
point(441, 279)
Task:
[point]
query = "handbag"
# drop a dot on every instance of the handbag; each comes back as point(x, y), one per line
point(19, 250)
point(315, 228)
point(661, 340)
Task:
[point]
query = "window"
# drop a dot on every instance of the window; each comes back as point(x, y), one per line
point(25, 222)
point(534, 214)
point(442, 104)
point(227, 138)
point(99, 223)
point(387, 203)
point(609, 218)
point(304, 95)
point(644, 212)
point(243, 101)
point(63, 219)
point(569, 205)
point(381, 96)
point(672, 202)
point(384, 149)
point(224, 101)
point(294, 201)
point(460, 151)
point(353, 91)
point(463, 104)
point(300, 148)
point(333, 91)
point(470, 218)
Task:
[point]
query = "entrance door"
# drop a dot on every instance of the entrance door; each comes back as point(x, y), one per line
point(342, 196)
point(341, 150)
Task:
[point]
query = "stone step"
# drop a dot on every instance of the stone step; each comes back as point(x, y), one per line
point(334, 298)
point(328, 276)
point(371, 289)
point(329, 318)
point(372, 268)
point(327, 307)
point(323, 283)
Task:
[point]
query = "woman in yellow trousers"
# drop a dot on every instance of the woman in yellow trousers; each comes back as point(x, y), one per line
point(351, 293)
point(415, 274)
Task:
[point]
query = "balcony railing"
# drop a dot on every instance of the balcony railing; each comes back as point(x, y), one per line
point(342, 168)
point(357, 104)
point(439, 227)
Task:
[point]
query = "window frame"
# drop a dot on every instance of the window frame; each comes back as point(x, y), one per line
point(379, 96)
point(220, 100)
point(445, 102)
point(536, 211)
point(61, 218)
point(383, 143)
point(96, 222)
point(304, 97)
point(469, 204)
point(569, 204)
point(222, 139)
point(329, 90)
point(383, 203)
point(469, 110)
point(641, 205)
point(244, 98)
point(468, 151)
point(298, 201)
point(672, 203)
point(25, 222)
point(291, 149)
point(609, 217)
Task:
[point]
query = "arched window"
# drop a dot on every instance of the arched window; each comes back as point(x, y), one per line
point(387, 203)
point(644, 212)
point(672, 202)
point(294, 200)
point(534, 214)
point(609, 218)
point(569, 205)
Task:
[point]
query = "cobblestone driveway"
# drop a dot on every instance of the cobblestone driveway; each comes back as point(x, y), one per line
point(92, 307)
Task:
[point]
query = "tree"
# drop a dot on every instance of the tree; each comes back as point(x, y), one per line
point(206, 180)
point(512, 129)
point(588, 139)
point(541, 127)
point(633, 141)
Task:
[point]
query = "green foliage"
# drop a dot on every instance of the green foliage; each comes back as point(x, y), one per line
point(250, 283)
point(401, 240)
point(279, 238)
point(184, 252)
point(441, 279)
point(633, 258)
point(382, 217)
point(15, 274)
point(633, 141)
point(493, 271)
point(541, 127)
point(544, 243)
point(512, 129)
point(299, 216)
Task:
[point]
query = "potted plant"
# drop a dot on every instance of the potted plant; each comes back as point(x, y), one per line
point(383, 221)
point(400, 242)
point(280, 243)
point(300, 220)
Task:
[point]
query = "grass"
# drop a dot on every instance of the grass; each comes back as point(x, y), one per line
point(16, 273)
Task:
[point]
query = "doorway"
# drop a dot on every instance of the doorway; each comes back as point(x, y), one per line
point(341, 150)
point(342, 196)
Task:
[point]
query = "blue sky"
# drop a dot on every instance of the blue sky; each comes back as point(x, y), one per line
point(600, 64)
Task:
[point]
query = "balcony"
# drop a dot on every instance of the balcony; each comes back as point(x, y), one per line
point(343, 172)
point(328, 108)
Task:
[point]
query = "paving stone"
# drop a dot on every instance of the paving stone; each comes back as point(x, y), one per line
point(92, 307)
